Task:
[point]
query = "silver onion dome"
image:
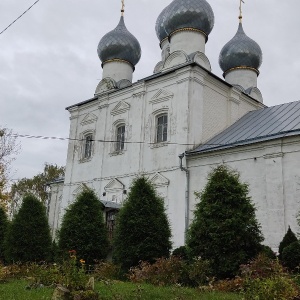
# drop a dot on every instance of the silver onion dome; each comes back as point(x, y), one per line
point(194, 14)
point(160, 25)
point(119, 44)
point(240, 52)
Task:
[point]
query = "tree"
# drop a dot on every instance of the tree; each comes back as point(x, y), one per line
point(288, 239)
point(142, 230)
point(3, 228)
point(224, 230)
point(291, 256)
point(83, 228)
point(35, 185)
point(8, 149)
point(28, 237)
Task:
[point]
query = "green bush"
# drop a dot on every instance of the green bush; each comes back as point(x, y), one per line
point(224, 230)
point(266, 279)
point(181, 252)
point(142, 227)
point(291, 256)
point(83, 229)
point(288, 239)
point(107, 271)
point(28, 236)
point(268, 252)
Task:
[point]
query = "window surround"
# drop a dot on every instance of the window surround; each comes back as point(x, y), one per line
point(118, 145)
point(155, 116)
point(87, 145)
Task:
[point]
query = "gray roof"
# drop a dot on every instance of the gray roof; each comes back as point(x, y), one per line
point(240, 51)
point(196, 14)
point(119, 44)
point(256, 126)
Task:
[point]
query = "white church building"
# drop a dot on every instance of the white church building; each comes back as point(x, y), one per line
point(179, 123)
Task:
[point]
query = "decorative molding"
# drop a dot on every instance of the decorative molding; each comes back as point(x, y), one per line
point(120, 108)
point(89, 119)
point(114, 185)
point(159, 180)
point(161, 96)
point(174, 59)
point(139, 94)
point(273, 155)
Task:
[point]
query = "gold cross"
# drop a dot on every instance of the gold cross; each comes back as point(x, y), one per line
point(241, 16)
point(123, 7)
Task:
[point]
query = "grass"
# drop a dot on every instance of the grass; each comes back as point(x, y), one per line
point(16, 290)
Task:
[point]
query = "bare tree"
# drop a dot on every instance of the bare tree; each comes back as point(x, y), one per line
point(9, 147)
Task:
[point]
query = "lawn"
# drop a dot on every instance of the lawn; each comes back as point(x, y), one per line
point(16, 290)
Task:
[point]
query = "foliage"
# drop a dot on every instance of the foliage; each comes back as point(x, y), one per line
point(28, 237)
point(291, 256)
point(83, 228)
point(36, 185)
point(142, 230)
point(3, 229)
point(106, 271)
point(266, 279)
point(165, 271)
point(267, 251)
point(229, 285)
point(170, 271)
point(288, 239)
point(224, 230)
point(8, 149)
point(181, 252)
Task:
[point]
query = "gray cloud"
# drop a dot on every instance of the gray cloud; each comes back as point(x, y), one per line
point(49, 59)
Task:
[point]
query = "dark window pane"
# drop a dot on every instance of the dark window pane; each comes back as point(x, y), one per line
point(162, 129)
point(120, 138)
point(88, 146)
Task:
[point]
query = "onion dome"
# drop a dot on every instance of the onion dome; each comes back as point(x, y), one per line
point(119, 44)
point(240, 52)
point(160, 25)
point(189, 14)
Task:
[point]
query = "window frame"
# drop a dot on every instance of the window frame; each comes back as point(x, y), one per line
point(120, 137)
point(87, 145)
point(161, 130)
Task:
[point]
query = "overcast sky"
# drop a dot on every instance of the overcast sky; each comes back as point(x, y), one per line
point(48, 59)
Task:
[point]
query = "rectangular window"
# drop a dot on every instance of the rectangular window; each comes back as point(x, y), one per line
point(120, 138)
point(88, 142)
point(162, 129)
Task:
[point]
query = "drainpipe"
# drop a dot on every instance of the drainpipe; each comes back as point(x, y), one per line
point(187, 192)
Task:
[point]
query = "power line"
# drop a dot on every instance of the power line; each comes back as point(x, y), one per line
point(27, 136)
point(19, 16)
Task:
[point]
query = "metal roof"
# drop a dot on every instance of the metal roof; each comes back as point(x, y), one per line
point(256, 126)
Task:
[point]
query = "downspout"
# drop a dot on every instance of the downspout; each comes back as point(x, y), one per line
point(187, 192)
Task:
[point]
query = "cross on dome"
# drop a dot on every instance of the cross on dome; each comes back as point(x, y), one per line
point(123, 7)
point(241, 15)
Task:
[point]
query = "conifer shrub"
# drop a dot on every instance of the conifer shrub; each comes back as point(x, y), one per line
point(224, 230)
point(3, 229)
point(291, 256)
point(268, 252)
point(28, 237)
point(83, 229)
point(288, 239)
point(181, 252)
point(142, 227)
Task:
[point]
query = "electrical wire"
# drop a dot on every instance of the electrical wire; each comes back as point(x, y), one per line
point(101, 141)
point(19, 17)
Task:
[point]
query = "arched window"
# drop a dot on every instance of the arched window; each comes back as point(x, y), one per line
point(162, 128)
point(88, 144)
point(120, 138)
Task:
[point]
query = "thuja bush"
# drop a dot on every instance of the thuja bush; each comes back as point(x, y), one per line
point(224, 230)
point(83, 229)
point(142, 227)
point(28, 237)
point(291, 256)
point(288, 239)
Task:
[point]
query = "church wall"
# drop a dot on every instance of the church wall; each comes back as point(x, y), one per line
point(272, 171)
